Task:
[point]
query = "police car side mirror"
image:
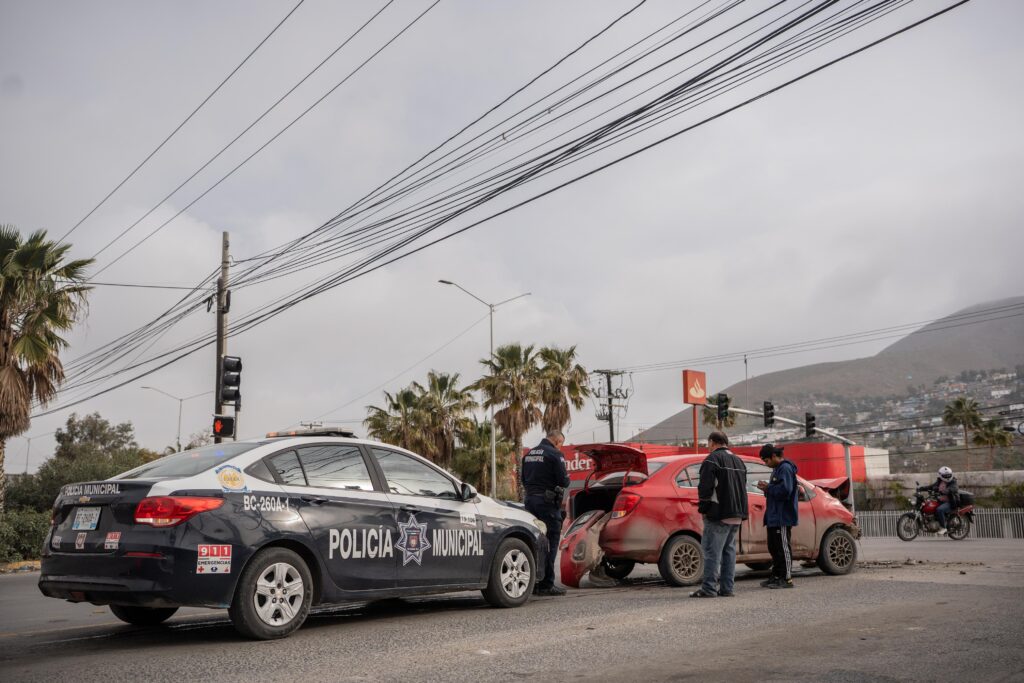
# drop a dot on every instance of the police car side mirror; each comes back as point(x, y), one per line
point(468, 492)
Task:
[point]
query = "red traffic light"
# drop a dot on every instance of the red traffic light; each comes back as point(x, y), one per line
point(223, 425)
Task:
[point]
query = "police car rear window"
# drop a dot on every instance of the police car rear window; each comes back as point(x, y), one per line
point(189, 463)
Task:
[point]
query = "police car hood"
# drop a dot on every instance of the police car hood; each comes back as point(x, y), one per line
point(507, 509)
point(613, 457)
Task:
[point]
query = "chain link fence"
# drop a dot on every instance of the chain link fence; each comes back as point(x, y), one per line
point(988, 523)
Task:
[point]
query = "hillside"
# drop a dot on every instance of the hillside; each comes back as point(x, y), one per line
point(945, 347)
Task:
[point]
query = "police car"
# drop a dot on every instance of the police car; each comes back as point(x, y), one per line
point(271, 528)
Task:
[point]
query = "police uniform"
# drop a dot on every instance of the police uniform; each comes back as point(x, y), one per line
point(543, 471)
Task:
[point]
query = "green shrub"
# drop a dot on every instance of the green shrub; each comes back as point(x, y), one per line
point(1009, 495)
point(22, 533)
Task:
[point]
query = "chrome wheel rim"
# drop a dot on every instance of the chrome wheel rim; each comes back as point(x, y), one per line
point(279, 594)
point(908, 526)
point(515, 573)
point(840, 551)
point(686, 561)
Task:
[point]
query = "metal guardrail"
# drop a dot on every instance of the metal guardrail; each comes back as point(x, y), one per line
point(988, 523)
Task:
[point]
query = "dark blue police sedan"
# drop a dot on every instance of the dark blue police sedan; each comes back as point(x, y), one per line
point(270, 528)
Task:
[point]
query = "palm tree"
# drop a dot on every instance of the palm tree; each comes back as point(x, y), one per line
point(564, 386)
point(444, 409)
point(963, 412)
point(41, 295)
point(710, 416)
point(400, 422)
point(513, 386)
point(472, 461)
point(990, 433)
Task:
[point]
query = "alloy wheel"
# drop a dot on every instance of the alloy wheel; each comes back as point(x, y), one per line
point(515, 573)
point(279, 593)
point(841, 551)
point(686, 561)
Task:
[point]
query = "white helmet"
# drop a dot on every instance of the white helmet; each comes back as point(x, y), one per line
point(945, 473)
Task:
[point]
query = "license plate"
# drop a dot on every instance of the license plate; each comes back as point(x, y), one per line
point(86, 519)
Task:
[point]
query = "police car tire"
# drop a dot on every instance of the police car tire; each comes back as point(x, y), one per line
point(142, 616)
point(243, 610)
point(494, 593)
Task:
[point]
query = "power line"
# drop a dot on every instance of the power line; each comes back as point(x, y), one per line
point(393, 253)
point(182, 124)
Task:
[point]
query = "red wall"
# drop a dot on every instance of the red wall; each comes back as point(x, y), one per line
point(813, 460)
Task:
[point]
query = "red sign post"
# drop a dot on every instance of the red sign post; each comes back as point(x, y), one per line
point(695, 393)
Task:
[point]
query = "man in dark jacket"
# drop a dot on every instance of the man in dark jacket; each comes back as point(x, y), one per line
point(946, 490)
point(544, 480)
point(780, 516)
point(723, 503)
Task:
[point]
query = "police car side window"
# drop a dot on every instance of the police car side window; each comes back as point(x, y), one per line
point(411, 477)
point(335, 467)
point(286, 467)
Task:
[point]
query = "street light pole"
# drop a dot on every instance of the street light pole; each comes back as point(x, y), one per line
point(494, 442)
point(180, 402)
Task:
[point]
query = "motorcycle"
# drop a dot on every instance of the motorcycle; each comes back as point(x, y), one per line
point(922, 518)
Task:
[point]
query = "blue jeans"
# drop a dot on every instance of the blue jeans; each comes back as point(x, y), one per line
point(719, 546)
point(941, 513)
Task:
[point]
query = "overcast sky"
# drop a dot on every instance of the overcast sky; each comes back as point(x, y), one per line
point(879, 192)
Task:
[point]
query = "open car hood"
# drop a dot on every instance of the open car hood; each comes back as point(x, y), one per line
point(838, 487)
point(613, 457)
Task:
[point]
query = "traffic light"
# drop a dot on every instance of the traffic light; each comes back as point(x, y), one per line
point(231, 380)
point(769, 414)
point(722, 404)
point(809, 424)
point(223, 426)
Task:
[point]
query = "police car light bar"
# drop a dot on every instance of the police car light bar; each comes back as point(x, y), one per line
point(311, 432)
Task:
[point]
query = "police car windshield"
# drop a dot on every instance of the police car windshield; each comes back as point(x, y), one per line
point(188, 463)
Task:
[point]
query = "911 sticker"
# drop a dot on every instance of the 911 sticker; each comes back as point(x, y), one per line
point(213, 559)
point(112, 541)
point(265, 504)
point(55, 542)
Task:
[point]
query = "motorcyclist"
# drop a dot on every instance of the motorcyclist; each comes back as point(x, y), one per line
point(946, 490)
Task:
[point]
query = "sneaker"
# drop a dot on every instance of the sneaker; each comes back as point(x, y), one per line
point(730, 594)
point(770, 583)
point(788, 583)
point(553, 591)
point(942, 532)
point(701, 594)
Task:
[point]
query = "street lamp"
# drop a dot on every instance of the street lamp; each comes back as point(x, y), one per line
point(494, 447)
point(180, 401)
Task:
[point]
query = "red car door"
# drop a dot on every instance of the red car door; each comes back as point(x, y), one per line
point(754, 540)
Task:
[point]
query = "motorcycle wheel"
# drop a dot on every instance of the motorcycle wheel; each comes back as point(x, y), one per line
point(958, 528)
point(906, 527)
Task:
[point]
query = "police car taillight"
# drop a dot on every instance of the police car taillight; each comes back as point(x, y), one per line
point(624, 504)
point(164, 511)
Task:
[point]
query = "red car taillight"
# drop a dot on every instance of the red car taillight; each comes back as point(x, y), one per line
point(624, 504)
point(166, 511)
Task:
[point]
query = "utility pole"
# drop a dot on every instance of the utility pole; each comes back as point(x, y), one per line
point(222, 328)
point(610, 396)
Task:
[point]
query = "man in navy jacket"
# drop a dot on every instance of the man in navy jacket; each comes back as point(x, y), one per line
point(780, 516)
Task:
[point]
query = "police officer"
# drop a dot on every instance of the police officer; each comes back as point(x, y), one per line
point(545, 479)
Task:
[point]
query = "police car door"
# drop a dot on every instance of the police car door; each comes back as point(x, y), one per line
point(352, 521)
point(440, 537)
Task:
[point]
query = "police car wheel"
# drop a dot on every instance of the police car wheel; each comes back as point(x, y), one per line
point(142, 616)
point(512, 575)
point(273, 595)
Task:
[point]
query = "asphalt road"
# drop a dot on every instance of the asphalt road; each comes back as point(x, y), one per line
point(929, 610)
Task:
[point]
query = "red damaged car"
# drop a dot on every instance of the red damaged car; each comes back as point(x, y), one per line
point(634, 510)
